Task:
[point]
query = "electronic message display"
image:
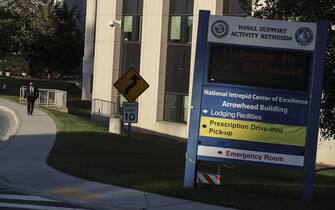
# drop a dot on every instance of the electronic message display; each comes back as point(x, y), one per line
point(259, 67)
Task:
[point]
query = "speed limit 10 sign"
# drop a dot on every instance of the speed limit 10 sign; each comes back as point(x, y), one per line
point(130, 112)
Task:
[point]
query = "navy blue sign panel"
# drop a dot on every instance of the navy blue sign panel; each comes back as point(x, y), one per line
point(256, 93)
point(255, 105)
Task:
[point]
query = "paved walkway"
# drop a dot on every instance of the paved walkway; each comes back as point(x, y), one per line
point(4, 123)
point(23, 168)
point(13, 200)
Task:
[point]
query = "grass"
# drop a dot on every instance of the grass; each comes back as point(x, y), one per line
point(150, 163)
point(156, 164)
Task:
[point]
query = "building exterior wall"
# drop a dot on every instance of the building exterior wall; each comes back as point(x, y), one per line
point(326, 151)
point(102, 53)
point(106, 59)
point(153, 64)
point(88, 59)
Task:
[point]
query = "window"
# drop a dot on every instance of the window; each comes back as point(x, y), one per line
point(232, 7)
point(132, 20)
point(180, 29)
point(178, 60)
point(128, 24)
point(132, 28)
point(131, 56)
point(170, 108)
point(189, 28)
point(178, 69)
point(131, 35)
point(185, 108)
point(181, 21)
point(175, 28)
point(132, 7)
point(181, 6)
point(176, 108)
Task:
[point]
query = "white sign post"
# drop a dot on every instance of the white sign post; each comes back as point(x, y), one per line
point(130, 114)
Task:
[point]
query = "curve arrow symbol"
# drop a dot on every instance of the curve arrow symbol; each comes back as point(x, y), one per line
point(135, 79)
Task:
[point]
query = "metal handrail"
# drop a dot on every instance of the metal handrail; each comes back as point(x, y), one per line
point(105, 108)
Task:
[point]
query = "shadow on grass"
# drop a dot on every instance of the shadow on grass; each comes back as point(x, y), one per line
point(80, 108)
point(157, 165)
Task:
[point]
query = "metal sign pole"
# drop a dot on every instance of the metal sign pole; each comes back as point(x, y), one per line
point(192, 143)
point(129, 130)
point(314, 111)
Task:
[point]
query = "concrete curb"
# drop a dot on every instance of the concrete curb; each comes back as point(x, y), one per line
point(14, 126)
point(32, 191)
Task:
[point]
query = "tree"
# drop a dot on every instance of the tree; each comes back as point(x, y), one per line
point(45, 35)
point(67, 45)
point(8, 30)
point(31, 21)
point(307, 11)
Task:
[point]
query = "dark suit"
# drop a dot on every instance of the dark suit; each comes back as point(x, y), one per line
point(31, 94)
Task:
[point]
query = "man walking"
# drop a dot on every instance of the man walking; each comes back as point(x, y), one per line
point(31, 94)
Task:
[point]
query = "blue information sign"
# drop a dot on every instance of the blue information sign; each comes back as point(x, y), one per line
point(256, 94)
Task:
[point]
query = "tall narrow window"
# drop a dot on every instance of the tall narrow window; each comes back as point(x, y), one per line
point(178, 60)
point(175, 28)
point(131, 35)
point(176, 107)
point(132, 28)
point(233, 7)
point(189, 28)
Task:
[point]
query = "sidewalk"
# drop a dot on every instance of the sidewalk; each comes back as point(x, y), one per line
point(24, 168)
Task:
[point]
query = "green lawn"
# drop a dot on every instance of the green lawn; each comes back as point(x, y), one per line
point(155, 164)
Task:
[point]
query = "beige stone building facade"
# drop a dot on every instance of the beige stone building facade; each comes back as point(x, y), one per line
point(155, 37)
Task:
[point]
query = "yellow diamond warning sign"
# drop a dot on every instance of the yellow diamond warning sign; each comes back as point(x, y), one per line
point(131, 85)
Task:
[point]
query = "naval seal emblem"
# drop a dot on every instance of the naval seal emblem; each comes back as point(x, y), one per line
point(220, 28)
point(304, 36)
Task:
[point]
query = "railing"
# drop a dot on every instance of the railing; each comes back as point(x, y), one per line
point(105, 108)
point(47, 97)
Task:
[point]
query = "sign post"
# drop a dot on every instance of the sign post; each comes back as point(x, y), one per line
point(317, 81)
point(130, 114)
point(131, 85)
point(257, 84)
